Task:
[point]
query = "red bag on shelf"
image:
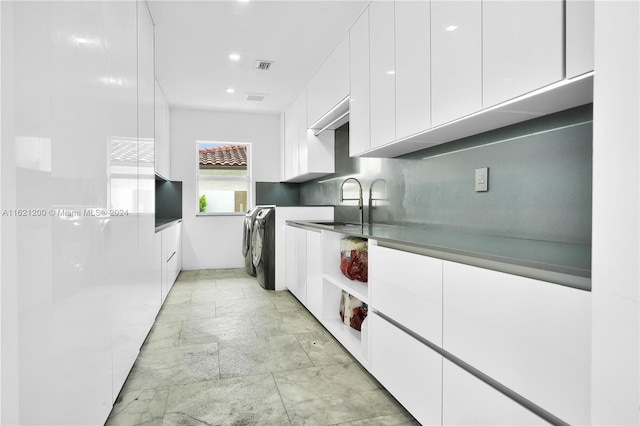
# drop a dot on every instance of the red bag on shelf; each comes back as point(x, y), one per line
point(354, 259)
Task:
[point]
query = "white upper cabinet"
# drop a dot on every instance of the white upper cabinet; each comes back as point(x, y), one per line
point(382, 72)
point(359, 136)
point(522, 47)
point(306, 156)
point(579, 33)
point(330, 85)
point(413, 67)
point(456, 59)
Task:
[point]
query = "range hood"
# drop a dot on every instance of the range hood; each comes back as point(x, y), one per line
point(335, 118)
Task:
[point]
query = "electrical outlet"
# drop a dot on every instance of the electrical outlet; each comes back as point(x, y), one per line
point(482, 179)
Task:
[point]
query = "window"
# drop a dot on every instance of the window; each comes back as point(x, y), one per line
point(224, 177)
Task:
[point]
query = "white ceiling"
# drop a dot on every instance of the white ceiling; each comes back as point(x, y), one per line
point(194, 40)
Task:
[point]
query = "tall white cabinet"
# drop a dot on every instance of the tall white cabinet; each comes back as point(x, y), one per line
point(412, 67)
point(359, 116)
point(382, 101)
point(79, 292)
point(456, 59)
point(522, 47)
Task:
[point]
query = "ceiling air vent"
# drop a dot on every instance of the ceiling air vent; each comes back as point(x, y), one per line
point(255, 97)
point(263, 65)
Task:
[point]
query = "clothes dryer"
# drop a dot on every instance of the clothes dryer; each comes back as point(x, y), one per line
point(263, 247)
point(247, 233)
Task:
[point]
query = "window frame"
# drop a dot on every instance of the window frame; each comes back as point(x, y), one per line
point(248, 179)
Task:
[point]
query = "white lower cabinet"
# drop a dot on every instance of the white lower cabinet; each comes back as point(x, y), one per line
point(466, 400)
point(171, 238)
point(532, 336)
point(407, 288)
point(296, 271)
point(407, 368)
point(314, 272)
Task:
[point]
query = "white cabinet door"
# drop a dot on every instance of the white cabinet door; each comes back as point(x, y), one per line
point(306, 156)
point(532, 336)
point(456, 59)
point(407, 368)
point(413, 67)
point(579, 33)
point(330, 84)
point(162, 133)
point(466, 400)
point(382, 73)
point(290, 143)
point(301, 260)
point(291, 265)
point(314, 273)
point(359, 135)
point(407, 288)
point(523, 47)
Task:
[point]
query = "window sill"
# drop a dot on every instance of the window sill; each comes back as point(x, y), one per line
point(220, 214)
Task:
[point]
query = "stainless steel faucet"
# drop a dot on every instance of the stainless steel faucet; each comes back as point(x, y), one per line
point(372, 199)
point(359, 199)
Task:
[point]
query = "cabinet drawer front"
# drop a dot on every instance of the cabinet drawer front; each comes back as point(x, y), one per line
point(407, 288)
point(533, 337)
point(408, 369)
point(466, 400)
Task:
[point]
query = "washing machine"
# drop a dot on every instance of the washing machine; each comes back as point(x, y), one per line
point(263, 247)
point(247, 233)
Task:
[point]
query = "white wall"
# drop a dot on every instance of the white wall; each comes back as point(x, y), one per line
point(615, 383)
point(210, 242)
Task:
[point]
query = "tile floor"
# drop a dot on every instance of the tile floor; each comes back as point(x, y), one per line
point(224, 351)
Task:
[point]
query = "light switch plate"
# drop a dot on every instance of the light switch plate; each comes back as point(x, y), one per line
point(482, 179)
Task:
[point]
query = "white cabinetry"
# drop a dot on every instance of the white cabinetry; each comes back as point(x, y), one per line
point(313, 255)
point(522, 47)
point(359, 121)
point(456, 59)
point(409, 369)
point(296, 268)
point(171, 256)
point(579, 34)
point(533, 337)
point(306, 156)
point(412, 67)
point(162, 133)
point(466, 400)
point(330, 85)
point(407, 288)
point(382, 72)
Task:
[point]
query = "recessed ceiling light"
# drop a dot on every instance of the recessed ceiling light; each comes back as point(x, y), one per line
point(451, 28)
point(230, 90)
point(391, 72)
point(234, 56)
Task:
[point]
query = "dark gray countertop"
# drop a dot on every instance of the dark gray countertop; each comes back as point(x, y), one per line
point(162, 223)
point(565, 264)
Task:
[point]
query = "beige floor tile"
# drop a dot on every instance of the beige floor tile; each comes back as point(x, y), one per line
point(261, 355)
point(211, 294)
point(215, 330)
point(251, 400)
point(289, 322)
point(186, 312)
point(165, 367)
point(332, 394)
point(164, 335)
point(322, 348)
point(139, 408)
point(243, 307)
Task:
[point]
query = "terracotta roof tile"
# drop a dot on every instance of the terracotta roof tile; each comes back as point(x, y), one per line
point(224, 156)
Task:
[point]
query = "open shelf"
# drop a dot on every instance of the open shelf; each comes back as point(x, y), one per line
point(351, 339)
point(356, 288)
